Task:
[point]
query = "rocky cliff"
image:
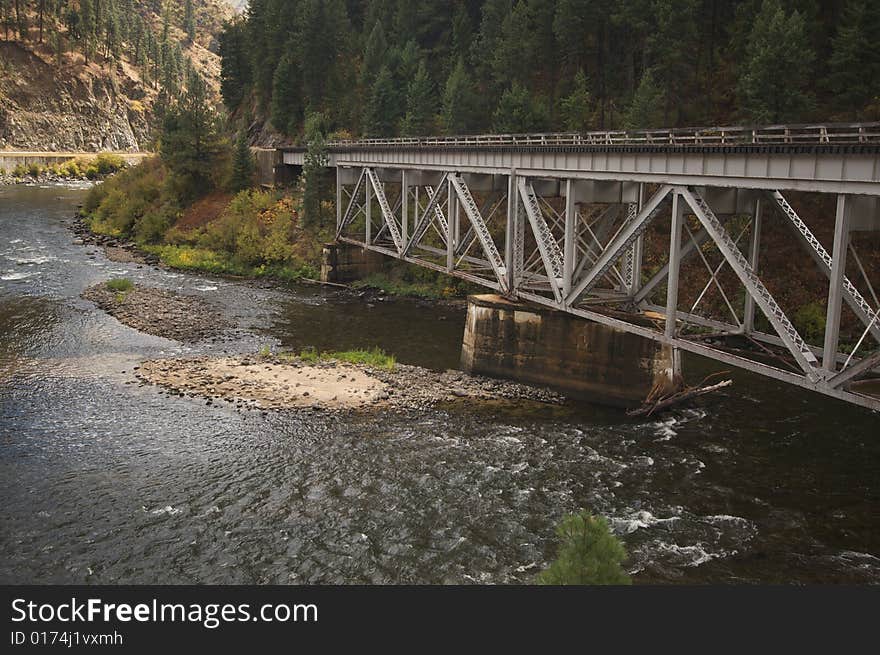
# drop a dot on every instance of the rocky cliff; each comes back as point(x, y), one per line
point(52, 103)
point(76, 107)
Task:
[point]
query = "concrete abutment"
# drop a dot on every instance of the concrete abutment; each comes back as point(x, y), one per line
point(583, 359)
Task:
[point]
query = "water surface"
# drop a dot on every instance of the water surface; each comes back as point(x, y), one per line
point(105, 481)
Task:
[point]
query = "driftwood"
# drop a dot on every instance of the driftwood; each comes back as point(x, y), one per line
point(321, 282)
point(655, 403)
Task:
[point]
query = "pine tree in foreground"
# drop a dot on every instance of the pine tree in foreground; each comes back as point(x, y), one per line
point(588, 554)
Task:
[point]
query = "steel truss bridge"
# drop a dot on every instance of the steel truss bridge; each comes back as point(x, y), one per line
point(568, 221)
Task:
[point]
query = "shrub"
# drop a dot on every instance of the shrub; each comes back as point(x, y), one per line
point(19, 171)
point(588, 554)
point(120, 284)
point(107, 163)
point(34, 170)
point(70, 168)
point(810, 322)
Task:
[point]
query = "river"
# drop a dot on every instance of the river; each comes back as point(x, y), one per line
point(107, 481)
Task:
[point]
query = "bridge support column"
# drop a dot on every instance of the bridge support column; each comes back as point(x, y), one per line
point(583, 359)
point(342, 263)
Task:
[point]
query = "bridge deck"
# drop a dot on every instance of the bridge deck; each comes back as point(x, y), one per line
point(839, 158)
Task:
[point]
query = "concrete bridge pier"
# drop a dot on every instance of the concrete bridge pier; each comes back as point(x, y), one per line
point(581, 358)
point(342, 263)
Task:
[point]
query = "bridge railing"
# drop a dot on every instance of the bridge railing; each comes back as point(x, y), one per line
point(818, 134)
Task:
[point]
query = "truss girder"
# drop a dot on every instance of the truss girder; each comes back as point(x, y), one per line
point(763, 298)
point(599, 241)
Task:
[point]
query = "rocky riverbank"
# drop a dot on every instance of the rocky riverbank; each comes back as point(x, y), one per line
point(45, 177)
point(116, 250)
point(284, 383)
point(159, 312)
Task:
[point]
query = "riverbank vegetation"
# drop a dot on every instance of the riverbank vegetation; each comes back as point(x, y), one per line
point(76, 168)
point(373, 358)
point(195, 206)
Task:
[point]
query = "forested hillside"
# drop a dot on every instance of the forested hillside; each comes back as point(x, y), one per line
point(96, 74)
point(389, 67)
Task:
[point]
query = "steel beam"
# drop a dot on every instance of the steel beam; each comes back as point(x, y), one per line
point(835, 283)
point(754, 253)
point(674, 263)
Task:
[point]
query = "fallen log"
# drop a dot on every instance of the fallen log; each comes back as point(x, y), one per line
point(689, 393)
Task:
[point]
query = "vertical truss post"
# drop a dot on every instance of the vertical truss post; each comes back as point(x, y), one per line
point(404, 210)
point(451, 228)
point(638, 250)
point(368, 211)
point(514, 236)
point(568, 262)
point(754, 252)
point(674, 263)
point(628, 268)
point(338, 198)
point(835, 285)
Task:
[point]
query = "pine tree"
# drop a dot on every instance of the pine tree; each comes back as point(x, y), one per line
point(775, 78)
point(646, 109)
point(577, 106)
point(242, 174)
point(374, 55)
point(314, 168)
point(286, 106)
point(420, 105)
point(519, 112)
point(192, 144)
point(459, 102)
point(588, 554)
point(854, 78)
point(189, 21)
point(235, 73)
point(380, 113)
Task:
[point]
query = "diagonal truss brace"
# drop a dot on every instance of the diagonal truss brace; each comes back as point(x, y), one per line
point(737, 261)
point(547, 244)
point(387, 214)
point(823, 258)
point(424, 221)
point(480, 228)
point(624, 239)
point(438, 213)
point(352, 203)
